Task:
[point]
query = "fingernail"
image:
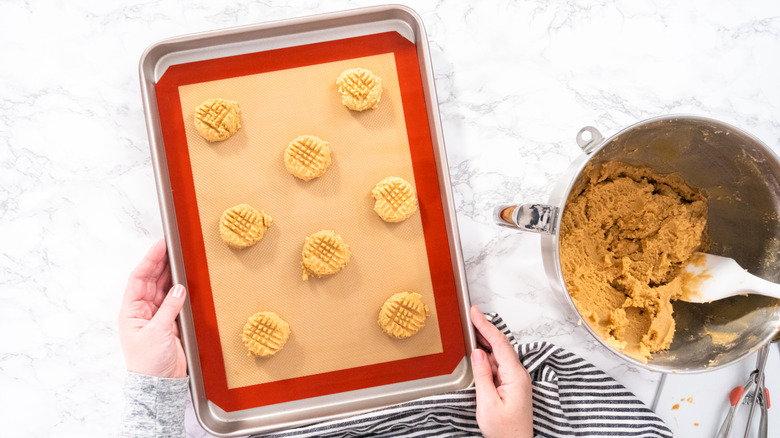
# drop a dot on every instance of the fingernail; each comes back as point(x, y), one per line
point(178, 291)
point(478, 356)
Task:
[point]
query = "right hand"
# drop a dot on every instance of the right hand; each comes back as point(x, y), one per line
point(503, 385)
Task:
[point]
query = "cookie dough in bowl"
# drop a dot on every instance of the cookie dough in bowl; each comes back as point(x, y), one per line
point(625, 235)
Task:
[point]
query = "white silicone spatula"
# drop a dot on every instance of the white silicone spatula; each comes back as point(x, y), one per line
point(714, 277)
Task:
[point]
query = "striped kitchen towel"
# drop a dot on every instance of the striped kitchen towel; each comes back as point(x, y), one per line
point(571, 398)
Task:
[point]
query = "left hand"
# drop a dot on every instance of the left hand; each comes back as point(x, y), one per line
point(147, 319)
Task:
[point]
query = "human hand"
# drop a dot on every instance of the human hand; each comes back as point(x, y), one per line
point(147, 319)
point(503, 385)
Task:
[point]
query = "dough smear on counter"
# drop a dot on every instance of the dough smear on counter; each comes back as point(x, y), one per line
point(625, 236)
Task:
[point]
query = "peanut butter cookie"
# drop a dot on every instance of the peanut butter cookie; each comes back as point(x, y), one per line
point(403, 315)
point(242, 226)
point(307, 157)
point(324, 253)
point(360, 89)
point(217, 119)
point(265, 333)
point(396, 199)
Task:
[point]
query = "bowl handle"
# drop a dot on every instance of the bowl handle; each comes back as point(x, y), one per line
point(589, 138)
point(536, 218)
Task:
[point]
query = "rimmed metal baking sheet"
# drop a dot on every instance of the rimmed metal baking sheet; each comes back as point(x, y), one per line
point(268, 36)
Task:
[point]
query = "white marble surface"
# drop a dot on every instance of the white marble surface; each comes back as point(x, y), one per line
point(516, 80)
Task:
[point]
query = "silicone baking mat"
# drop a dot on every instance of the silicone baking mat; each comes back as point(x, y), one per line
point(336, 344)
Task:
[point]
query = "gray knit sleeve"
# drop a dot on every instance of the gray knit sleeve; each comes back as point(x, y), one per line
point(154, 406)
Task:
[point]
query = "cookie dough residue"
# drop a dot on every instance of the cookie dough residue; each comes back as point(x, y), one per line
point(625, 237)
point(724, 339)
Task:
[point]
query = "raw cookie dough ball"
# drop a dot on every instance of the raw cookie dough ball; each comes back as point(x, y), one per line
point(396, 199)
point(307, 157)
point(360, 88)
point(324, 253)
point(265, 333)
point(403, 315)
point(242, 226)
point(217, 119)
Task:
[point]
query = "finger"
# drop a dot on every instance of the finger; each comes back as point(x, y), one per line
point(493, 364)
point(482, 342)
point(487, 333)
point(164, 281)
point(170, 307)
point(163, 285)
point(487, 395)
point(147, 272)
point(501, 348)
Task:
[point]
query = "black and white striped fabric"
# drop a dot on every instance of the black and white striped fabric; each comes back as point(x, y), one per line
point(571, 398)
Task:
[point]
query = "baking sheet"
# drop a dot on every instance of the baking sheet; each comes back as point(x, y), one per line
point(333, 319)
point(324, 356)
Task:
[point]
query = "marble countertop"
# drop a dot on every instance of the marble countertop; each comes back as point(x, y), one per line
point(515, 82)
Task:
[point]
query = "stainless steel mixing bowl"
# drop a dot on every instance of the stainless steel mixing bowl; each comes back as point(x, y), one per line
point(741, 177)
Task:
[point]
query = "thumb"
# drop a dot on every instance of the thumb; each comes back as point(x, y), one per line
point(170, 307)
point(483, 378)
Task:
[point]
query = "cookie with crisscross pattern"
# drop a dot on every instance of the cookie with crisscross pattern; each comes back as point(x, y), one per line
point(324, 253)
point(360, 89)
point(403, 314)
point(217, 119)
point(265, 333)
point(242, 226)
point(307, 157)
point(396, 199)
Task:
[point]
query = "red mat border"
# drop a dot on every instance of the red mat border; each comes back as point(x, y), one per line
point(193, 249)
